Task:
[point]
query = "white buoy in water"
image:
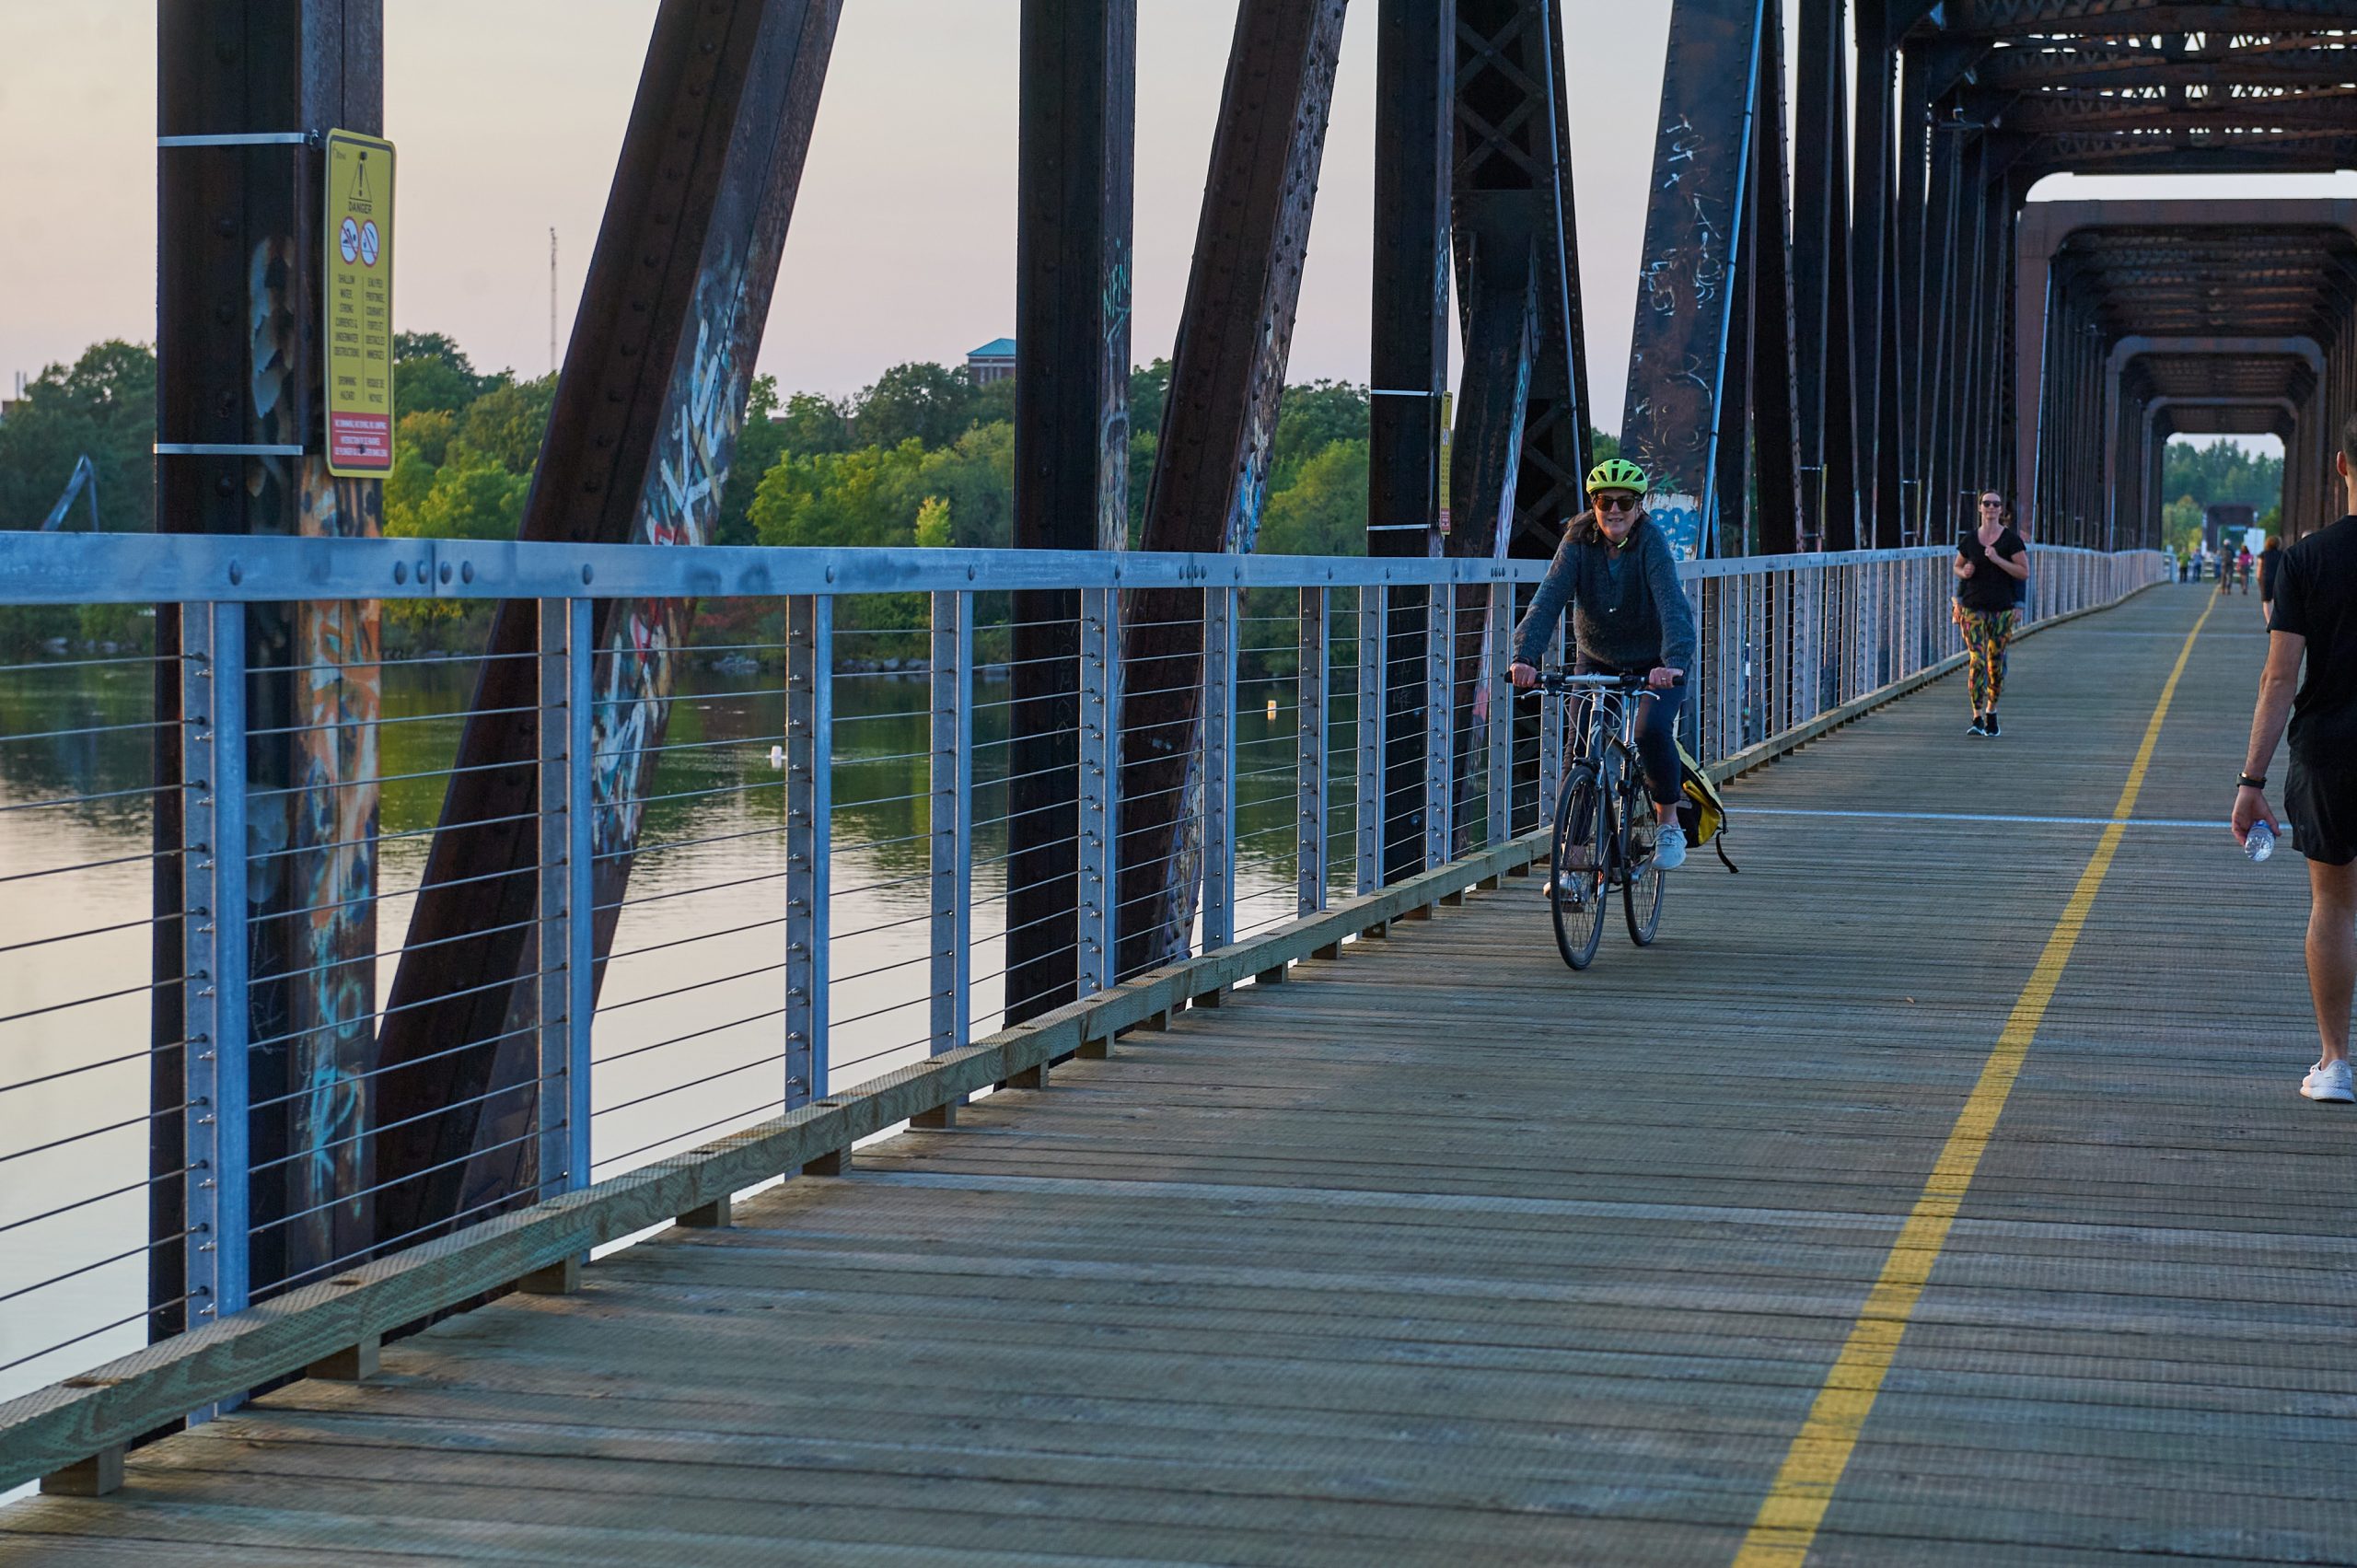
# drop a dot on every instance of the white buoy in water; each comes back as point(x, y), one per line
point(777, 757)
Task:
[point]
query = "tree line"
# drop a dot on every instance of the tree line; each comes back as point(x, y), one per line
point(2219, 474)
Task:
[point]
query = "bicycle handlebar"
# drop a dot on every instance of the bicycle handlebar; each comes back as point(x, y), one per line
point(1557, 682)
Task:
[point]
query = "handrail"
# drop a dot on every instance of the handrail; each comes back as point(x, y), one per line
point(1788, 647)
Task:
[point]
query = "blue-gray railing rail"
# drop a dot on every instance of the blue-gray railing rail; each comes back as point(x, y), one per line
point(821, 838)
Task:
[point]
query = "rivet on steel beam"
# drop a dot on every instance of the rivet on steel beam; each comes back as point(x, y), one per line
point(465, 571)
point(588, 573)
point(446, 571)
point(401, 570)
point(236, 572)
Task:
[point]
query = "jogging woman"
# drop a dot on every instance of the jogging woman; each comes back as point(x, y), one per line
point(1991, 559)
point(1628, 615)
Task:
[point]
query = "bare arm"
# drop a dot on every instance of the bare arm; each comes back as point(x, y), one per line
point(2275, 685)
point(1961, 565)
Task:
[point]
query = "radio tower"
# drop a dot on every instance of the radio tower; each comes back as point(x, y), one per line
point(551, 301)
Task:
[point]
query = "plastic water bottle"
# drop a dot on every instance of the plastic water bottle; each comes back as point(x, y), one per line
point(2260, 843)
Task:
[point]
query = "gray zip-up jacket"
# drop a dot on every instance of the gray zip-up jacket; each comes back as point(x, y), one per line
point(1628, 610)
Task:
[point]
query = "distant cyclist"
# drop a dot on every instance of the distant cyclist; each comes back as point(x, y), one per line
point(1629, 617)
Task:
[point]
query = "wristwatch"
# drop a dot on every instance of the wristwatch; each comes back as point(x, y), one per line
point(2247, 781)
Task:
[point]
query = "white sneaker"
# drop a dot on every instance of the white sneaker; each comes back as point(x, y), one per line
point(1669, 852)
point(2329, 1081)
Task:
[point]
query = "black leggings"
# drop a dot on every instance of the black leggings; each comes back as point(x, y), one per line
point(1656, 734)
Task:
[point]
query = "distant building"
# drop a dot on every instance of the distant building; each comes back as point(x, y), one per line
point(994, 361)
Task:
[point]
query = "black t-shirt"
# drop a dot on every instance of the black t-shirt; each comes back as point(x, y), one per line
point(1989, 589)
point(2270, 563)
point(2315, 587)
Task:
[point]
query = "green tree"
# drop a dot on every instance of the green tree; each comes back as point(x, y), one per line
point(432, 372)
point(812, 425)
point(1311, 418)
point(933, 530)
point(427, 433)
point(505, 423)
point(931, 404)
point(865, 498)
point(975, 479)
point(103, 405)
point(2221, 473)
point(1323, 510)
point(471, 496)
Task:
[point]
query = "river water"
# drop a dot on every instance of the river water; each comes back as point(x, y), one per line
point(689, 1033)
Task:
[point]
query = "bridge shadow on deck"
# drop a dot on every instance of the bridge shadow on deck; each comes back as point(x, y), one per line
point(1442, 1254)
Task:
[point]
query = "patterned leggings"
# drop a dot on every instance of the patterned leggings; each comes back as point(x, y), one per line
point(1985, 636)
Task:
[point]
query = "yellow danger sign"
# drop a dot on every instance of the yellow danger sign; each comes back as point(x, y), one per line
point(359, 297)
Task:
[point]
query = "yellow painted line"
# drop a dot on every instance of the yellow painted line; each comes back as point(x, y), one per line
point(1787, 1522)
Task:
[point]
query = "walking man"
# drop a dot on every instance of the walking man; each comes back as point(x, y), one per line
point(2316, 619)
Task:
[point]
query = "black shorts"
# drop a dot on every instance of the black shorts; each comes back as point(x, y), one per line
point(2321, 805)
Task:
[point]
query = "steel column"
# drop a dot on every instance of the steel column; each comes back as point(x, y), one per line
point(1075, 158)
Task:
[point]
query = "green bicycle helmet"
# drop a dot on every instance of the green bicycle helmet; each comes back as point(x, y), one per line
point(1618, 473)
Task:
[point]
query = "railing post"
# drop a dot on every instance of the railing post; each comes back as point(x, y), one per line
point(809, 811)
point(215, 947)
point(1368, 813)
point(1550, 734)
point(1440, 721)
point(1497, 699)
point(952, 786)
point(1100, 761)
point(581, 868)
point(1309, 771)
point(1219, 765)
point(566, 996)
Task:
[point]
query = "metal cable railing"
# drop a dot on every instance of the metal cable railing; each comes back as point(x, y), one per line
point(268, 1014)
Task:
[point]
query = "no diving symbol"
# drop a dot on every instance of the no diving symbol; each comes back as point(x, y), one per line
point(367, 242)
point(347, 240)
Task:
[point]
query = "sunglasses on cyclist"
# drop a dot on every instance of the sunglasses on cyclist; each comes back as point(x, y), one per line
point(1616, 503)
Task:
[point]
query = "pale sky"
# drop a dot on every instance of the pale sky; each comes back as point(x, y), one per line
point(508, 114)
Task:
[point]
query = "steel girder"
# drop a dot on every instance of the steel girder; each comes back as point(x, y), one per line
point(1211, 470)
point(237, 251)
point(1520, 450)
point(1957, 110)
point(1712, 385)
point(1408, 372)
point(2166, 291)
point(1076, 160)
point(639, 445)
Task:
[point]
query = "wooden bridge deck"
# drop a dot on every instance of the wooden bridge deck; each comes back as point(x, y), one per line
point(1441, 1254)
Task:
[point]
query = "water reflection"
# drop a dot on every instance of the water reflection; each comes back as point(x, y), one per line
point(689, 1037)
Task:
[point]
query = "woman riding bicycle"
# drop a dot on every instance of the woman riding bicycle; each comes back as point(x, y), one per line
point(1629, 616)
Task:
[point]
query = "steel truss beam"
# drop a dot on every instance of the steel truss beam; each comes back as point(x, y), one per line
point(639, 445)
point(1218, 433)
point(1711, 372)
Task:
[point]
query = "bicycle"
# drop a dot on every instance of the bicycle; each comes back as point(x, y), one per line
point(1594, 847)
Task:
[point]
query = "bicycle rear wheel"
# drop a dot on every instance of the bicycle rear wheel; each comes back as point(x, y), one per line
point(1579, 866)
point(1642, 886)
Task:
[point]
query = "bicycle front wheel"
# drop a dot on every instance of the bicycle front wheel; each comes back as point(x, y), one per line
point(1642, 887)
point(1578, 868)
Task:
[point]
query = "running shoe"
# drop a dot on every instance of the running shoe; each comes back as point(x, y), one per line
point(1989, 727)
point(1976, 726)
point(1669, 854)
point(2329, 1081)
